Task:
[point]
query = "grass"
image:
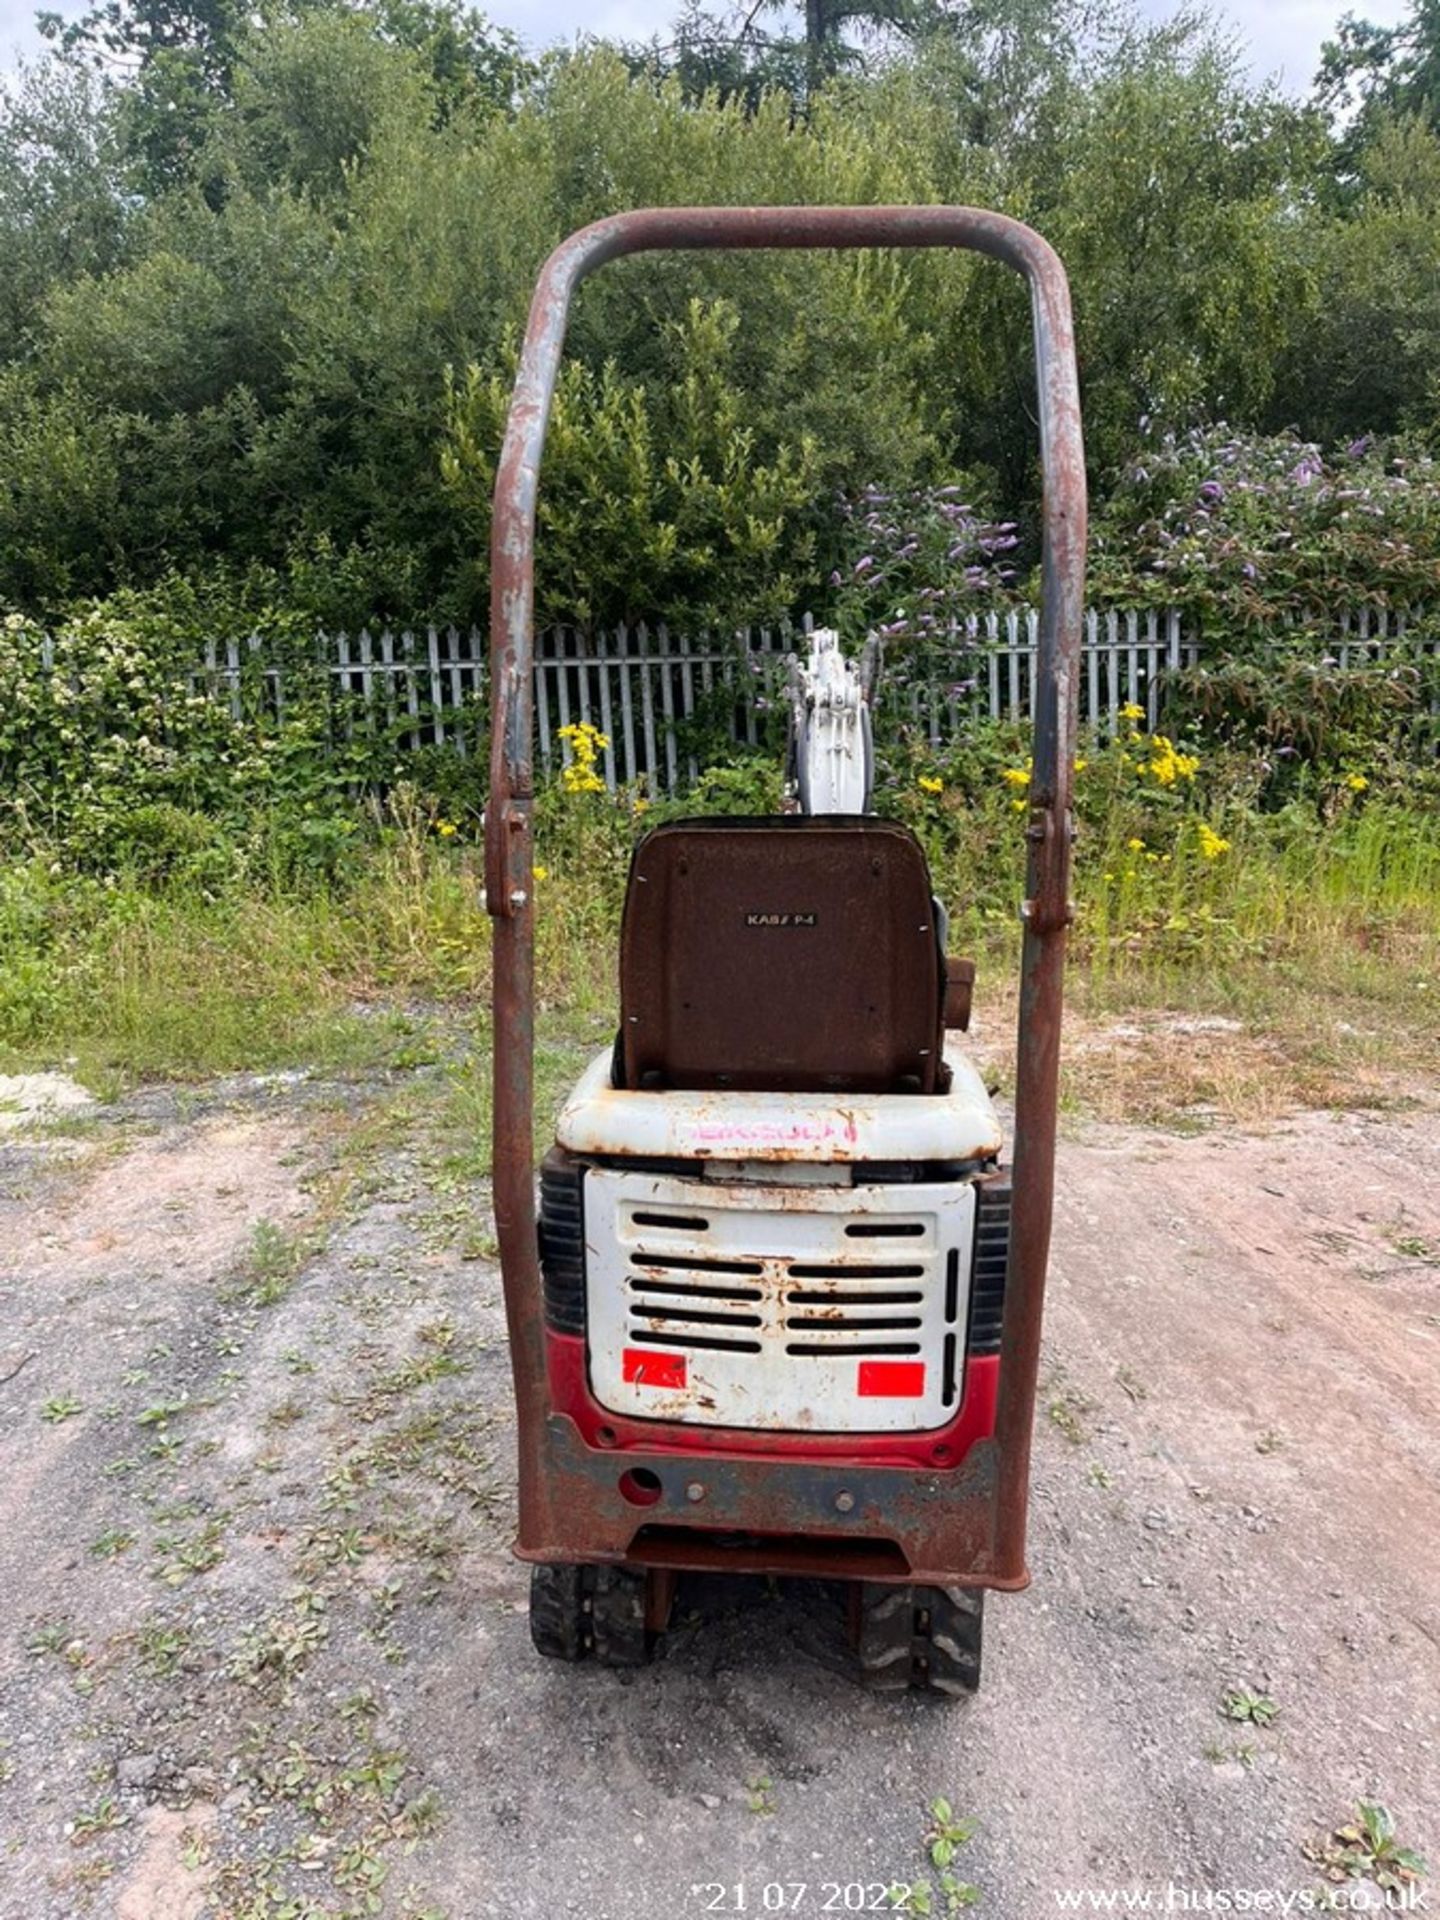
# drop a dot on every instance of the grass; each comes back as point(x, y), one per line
point(1299, 967)
point(174, 982)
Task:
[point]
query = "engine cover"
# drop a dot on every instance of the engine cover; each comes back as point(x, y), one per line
point(794, 1308)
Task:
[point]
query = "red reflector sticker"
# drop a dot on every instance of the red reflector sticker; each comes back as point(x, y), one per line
point(891, 1380)
point(644, 1369)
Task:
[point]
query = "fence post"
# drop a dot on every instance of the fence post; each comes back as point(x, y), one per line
point(437, 698)
point(647, 700)
point(667, 707)
point(457, 690)
point(607, 716)
point(687, 695)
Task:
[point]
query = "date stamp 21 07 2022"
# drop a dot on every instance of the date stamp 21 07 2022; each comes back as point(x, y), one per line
point(797, 1896)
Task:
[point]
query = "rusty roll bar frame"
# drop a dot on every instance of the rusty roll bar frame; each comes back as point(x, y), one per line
point(549, 1528)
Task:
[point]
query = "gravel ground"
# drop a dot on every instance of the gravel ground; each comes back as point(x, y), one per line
point(264, 1652)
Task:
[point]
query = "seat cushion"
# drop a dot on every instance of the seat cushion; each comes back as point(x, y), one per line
point(791, 955)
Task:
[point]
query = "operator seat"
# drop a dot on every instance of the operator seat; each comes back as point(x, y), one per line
point(787, 954)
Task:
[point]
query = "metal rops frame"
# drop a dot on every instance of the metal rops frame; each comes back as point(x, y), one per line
point(568, 1509)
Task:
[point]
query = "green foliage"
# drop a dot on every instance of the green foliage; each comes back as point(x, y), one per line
point(316, 104)
point(913, 566)
point(238, 266)
point(1242, 1703)
point(746, 784)
point(118, 752)
point(60, 209)
point(1383, 70)
point(1309, 724)
point(736, 54)
point(1241, 529)
point(656, 502)
point(1187, 852)
point(1368, 1846)
point(1365, 360)
point(1173, 206)
point(265, 277)
point(361, 198)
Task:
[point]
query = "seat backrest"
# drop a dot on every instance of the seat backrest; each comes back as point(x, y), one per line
point(791, 955)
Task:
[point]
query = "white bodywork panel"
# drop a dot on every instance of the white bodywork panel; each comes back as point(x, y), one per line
point(807, 1309)
point(819, 1128)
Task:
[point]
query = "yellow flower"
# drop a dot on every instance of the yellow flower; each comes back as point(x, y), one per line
point(642, 805)
point(445, 828)
point(1080, 765)
point(1356, 782)
point(1017, 806)
point(1015, 776)
point(1167, 764)
point(1210, 843)
point(1131, 712)
point(540, 873)
point(930, 784)
point(578, 779)
point(583, 737)
point(1135, 846)
point(586, 744)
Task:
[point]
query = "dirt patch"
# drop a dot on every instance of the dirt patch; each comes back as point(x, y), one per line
point(263, 1640)
point(28, 1097)
point(176, 1207)
point(172, 1876)
point(113, 1263)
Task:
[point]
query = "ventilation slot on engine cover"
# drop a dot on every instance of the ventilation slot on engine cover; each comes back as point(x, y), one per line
point(693, 1303)
point(990, 1261)
point(562, 1241)
point(859, 1311)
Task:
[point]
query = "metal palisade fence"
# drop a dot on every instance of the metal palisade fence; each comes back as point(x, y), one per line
point(665, 702)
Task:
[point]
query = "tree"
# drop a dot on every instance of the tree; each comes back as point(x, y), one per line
point(172, 60)
point(175, 61)
point(1383, 70)
point(232, 349)
point(62, 210)
point(1366, 362)
point(734, 54)
point(1178, 202)
point(474, 67)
